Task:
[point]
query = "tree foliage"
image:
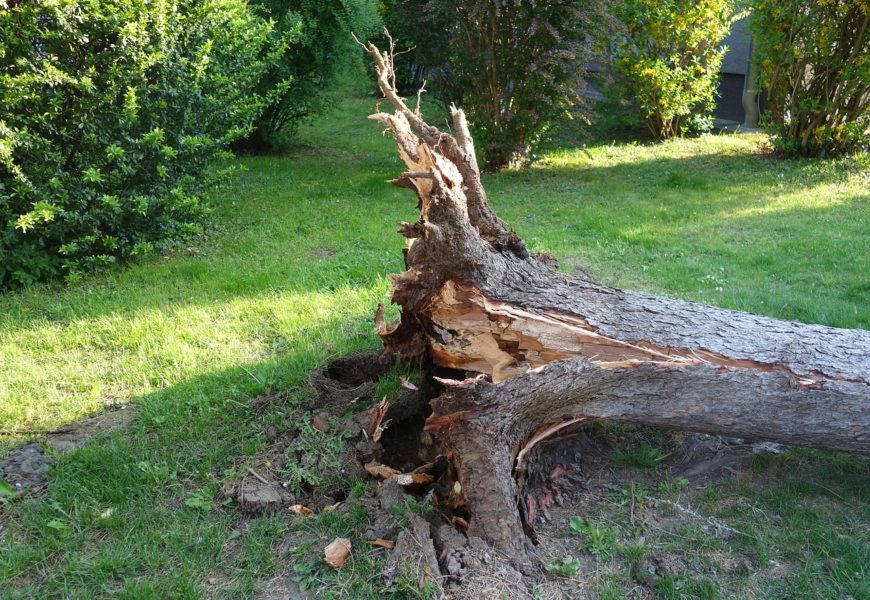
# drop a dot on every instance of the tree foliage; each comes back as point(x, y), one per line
point(316, 35)
point(515, 66)
point(667, 59)
point(815, 66)
point(112, 111)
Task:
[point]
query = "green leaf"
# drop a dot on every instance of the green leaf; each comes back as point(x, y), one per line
point(6, 489)
point(198, 501)
point(59, 525)
point(577, 524)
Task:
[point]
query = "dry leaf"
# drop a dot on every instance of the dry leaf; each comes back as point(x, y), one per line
point(298, 509)
point(383, 543)
point(332, 507)
point(320, 424)
point(407, 384)
point(376, 419)
point(379, 471)
point(337, 552)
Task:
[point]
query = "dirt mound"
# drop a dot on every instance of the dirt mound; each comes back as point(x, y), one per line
point(26, 467)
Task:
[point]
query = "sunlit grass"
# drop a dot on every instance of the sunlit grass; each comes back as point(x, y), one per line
point(71, 369)
point(714, 219)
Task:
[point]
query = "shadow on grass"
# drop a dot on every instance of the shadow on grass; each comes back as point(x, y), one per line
point(115, 521)
point(114, 518)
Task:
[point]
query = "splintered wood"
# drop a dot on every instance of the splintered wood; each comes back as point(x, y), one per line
point(474, 333)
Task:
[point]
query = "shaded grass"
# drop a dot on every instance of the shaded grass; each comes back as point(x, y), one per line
point(797, 528)
point(291, 276)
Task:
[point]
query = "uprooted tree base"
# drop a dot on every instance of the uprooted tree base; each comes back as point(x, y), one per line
point(538, 351)
point(417, 502)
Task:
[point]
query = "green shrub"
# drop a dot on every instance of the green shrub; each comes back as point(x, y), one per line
point(419, 29)
point(112, 112)
point(316, 35)
point(515, 67)
point(666, 61)
point(815, 67)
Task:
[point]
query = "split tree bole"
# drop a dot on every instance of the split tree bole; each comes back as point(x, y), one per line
point(551, 351)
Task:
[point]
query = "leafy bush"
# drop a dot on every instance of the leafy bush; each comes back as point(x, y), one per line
point(667, 59)
point(316, 35)
point(815, 67)
point(514, 66)
point(419, 30)
point(112, 113)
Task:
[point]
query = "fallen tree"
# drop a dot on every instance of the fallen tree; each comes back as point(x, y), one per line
point(539, 351)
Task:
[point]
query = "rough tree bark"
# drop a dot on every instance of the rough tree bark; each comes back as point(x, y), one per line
point(542, 351)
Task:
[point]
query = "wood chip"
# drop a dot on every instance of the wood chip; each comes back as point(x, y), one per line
point(413, 479)
point(337, 552)
point(383, 543)
point(379, 471)
point(407, 384)
point(298, 509)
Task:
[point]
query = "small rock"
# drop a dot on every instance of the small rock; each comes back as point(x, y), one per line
point(453, 566)
point(368, 450)
point(389, 494)
point(383, 527)
point(256, 497)
point(447, 537)
point(414, 556)
point(473, 563)
point(26, 467)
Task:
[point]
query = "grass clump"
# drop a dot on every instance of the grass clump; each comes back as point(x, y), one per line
point(643, 456)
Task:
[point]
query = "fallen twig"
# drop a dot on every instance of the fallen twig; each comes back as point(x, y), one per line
point(257, 475)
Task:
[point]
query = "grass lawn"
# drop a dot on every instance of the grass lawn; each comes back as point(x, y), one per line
point(291, 276)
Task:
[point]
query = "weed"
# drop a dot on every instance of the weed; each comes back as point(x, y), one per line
point(633, 552)
point(598, 539)
point(201, 500)
point(359, 516)
point(630, 494)
point(306, 575)
point(314, 459)
point(669, 486)
point(566, 567)
point(643, 456)
point(358, 489)
point(610, 591)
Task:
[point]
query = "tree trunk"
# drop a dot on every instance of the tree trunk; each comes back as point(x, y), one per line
point(541, 351)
